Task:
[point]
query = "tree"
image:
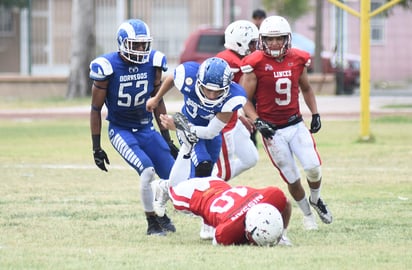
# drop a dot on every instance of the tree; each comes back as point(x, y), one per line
point(14, 3)
point(83, 48)
point(292, 9)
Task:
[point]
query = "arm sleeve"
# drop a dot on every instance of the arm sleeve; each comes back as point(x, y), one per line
point(211, 130)
point(230, 233)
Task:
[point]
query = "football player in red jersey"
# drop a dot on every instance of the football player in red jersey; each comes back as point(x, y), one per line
point(238, 151)
point(273, 75)
point(239, 215)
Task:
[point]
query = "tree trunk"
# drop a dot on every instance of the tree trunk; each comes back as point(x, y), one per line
point(317, 64)
point(83, 48)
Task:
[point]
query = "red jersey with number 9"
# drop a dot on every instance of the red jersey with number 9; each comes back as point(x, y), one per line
point(277, 89)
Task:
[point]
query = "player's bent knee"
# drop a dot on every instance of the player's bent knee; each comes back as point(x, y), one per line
point(314, 174)
point(204, 169)
point(147, 176)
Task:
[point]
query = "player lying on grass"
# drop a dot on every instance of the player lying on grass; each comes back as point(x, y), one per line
point(239, 214)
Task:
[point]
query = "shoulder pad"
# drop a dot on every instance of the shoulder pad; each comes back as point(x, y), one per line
point(185, 74)
point(159, 60)
point(179, 76)
point(307, 64)
point(100, 69)
point(246, 69)
point(233, 104)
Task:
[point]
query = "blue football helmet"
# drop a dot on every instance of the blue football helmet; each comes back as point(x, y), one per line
point(215, 75)
point(134, 41)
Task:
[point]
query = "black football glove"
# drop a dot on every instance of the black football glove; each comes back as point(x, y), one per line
point(266, 129)
point(173, 149)
point(315, 124)
point(100, 157)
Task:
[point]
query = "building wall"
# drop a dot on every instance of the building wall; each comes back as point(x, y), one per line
point(171, 22)
point(390, 60)
point(10, 47)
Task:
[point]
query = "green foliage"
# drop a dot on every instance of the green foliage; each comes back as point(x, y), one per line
point(292, 9)
point(405, 3)
point(14, 3)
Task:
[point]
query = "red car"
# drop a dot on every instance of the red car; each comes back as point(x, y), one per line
point(350, 70)
point(208, 41)
point(203, 43)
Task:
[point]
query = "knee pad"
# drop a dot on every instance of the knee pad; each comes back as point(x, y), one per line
point(204, 169)
point(314, 174)
point(147, 176)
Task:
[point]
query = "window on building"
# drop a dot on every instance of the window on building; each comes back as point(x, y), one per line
point(6, 21)
point(377, 24)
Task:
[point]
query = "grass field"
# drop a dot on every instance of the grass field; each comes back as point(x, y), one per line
point(59, 211)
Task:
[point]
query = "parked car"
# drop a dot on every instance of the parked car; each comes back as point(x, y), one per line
point(203, 43)
point(206, 42)
point(350, 70)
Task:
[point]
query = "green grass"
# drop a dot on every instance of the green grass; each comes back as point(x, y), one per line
point(59, 211)
point(18, 103)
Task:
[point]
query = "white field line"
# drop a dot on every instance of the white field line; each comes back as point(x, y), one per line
point(121, 167)
point(59, 166)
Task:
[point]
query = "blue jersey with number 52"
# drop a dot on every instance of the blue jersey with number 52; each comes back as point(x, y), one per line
point(130, 86)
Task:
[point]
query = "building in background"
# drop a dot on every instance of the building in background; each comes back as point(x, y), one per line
point(37, 41)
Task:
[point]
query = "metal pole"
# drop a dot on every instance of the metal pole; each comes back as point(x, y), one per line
point(339, 52)
point(365, 16)
point(232, 10)
point(365, 70)
point(29, 32)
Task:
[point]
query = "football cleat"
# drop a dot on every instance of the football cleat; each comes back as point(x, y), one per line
point(285, 241)
point(182, 124)
point(206, 232)
point(309, 222)
point(160, 196)
point(166, 224)
point(153, 227)
point(322, 210)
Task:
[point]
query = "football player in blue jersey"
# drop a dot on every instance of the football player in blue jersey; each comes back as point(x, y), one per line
point(210, 99)
point(123, 81)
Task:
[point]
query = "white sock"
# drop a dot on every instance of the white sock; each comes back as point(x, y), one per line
point(314, 195)
point(146, 193)
point(304, 206)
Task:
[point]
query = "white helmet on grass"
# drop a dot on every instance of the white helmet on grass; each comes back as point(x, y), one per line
point(264, 225)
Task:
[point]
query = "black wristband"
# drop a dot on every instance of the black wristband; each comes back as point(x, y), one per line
point(165, 134)
point(96, 141)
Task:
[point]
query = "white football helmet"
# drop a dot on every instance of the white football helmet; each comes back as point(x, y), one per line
point(275, 26)
point(264, 225)
point(241, 36)
point(134, 41)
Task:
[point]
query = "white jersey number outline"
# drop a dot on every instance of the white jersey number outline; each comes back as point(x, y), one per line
point(226, 201)
point(125, 99)
point(283, 87)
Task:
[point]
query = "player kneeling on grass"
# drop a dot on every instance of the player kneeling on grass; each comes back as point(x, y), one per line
point(240, 214)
